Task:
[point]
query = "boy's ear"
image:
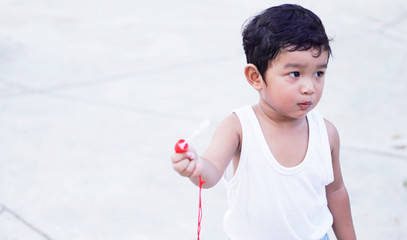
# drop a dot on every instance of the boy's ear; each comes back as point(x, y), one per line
point(253, 76)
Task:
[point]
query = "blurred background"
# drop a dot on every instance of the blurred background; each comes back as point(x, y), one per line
point(94, 95)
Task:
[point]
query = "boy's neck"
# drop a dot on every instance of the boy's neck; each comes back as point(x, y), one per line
point(276, 119)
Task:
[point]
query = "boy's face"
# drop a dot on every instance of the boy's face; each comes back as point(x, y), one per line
point(294, 82)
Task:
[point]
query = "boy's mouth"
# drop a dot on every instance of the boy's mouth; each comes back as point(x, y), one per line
point(305, 105)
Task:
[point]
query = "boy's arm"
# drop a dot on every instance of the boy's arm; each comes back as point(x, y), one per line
point(213, 162)
point(337, 195)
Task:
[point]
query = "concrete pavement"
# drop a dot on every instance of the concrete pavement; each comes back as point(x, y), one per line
point(93, 95)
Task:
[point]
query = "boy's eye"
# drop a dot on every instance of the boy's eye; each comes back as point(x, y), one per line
point(319, 74)
point(294, 74)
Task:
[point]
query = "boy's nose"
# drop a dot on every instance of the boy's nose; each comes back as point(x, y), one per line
point(307, 87)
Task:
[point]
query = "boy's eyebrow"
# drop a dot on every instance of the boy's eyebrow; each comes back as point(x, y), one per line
point(293, 65)
point(325, 65)
point(297, 65)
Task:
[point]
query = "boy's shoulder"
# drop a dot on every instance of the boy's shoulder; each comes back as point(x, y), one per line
point(231, 122)
point(229, 129)
point(330, 127)
point(331, 130)
point(333, 134)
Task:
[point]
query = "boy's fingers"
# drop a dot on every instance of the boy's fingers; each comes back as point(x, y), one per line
point(177, 157)
point(180, 166)
point(190, 155)
point(189, 169)
point(198, 170)
point(184, 163)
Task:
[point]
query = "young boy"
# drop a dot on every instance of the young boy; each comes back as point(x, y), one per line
point(284, 180)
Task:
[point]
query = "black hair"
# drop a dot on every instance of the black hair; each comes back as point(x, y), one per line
point(287, 26)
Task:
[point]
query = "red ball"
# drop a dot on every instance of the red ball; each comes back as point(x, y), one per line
point(181, 146)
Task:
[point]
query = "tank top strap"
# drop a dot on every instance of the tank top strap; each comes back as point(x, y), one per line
point(321, 137)
point(246, 118)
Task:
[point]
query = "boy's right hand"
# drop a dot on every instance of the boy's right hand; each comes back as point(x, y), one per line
point(187, 164)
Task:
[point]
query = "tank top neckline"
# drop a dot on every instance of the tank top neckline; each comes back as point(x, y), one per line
point(268, 153)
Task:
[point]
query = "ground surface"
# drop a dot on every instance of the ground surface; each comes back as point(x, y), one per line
point(94, 94)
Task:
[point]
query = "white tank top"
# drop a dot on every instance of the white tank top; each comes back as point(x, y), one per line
point(269, 201)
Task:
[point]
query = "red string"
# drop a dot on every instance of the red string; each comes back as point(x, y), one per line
point(201, 182)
